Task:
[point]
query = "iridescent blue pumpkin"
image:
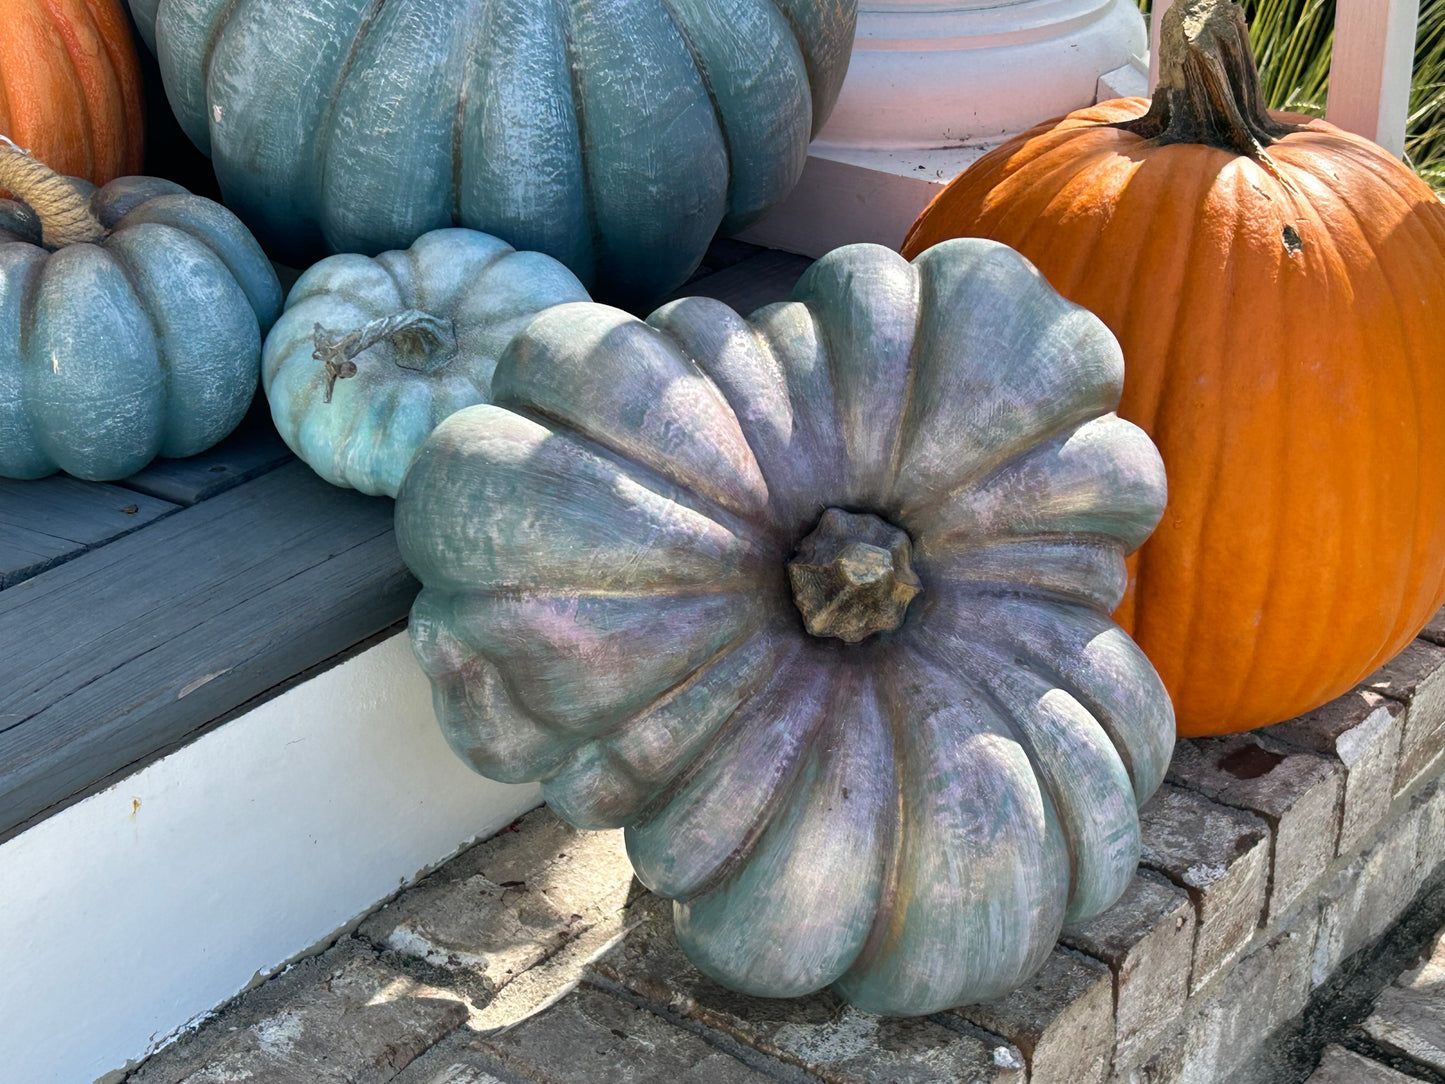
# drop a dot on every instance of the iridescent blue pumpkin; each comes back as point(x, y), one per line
point(144, 342)
point(614, 135)
point(816, 604)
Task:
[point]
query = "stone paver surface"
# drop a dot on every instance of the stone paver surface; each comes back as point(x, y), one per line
point(1341, 1066)
point(819, 1034)
point(1409, 1018)
point(1062, 1019)
point(359, 1022)
point(1220, 856)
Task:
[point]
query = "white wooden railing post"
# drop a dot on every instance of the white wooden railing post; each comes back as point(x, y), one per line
point(1370, 70)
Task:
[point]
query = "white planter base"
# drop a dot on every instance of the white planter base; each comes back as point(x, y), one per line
point(131, 914)
point(932, 85)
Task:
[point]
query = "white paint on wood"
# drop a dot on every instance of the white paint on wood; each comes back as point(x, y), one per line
point(1374, 54)
point(130, 914)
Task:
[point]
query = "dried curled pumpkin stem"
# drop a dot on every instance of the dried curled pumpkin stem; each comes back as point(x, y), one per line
point(64, 211)
point(1209, 89)
point(423, 342)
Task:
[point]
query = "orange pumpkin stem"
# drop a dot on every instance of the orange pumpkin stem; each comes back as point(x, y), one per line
point(1209, 88)
point(64, 212)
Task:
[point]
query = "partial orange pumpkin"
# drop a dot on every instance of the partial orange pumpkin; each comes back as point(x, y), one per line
point(70, 86)
point(1278, 287)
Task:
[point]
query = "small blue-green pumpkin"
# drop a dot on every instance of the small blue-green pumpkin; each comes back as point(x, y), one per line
point(372, 353)
point(615, 135)
point(131, 320)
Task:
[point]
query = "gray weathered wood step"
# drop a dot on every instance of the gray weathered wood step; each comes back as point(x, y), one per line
point(123, 653)
point(50, 520)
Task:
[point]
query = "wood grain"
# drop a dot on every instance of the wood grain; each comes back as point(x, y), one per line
point(251, 451)
point(124, 652)
point(50, 520)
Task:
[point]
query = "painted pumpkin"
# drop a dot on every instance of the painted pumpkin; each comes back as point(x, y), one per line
point(71, 92)
point(614, 135)
point(816, 604)
point(1278, 289)
point(131, 319)
point(371, 354)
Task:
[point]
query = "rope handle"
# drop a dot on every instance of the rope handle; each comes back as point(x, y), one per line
point(64, 213)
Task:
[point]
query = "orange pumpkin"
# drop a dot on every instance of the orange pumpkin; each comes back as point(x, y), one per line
point(1278, 287)
point(70, 86)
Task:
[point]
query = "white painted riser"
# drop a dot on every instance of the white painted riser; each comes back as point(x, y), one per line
point(143, 907)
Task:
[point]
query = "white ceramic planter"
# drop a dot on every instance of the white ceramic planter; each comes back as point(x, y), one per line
point(931, 85)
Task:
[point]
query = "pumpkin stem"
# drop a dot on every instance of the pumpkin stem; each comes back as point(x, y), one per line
point(853, 576)
point(424, 343)
point(64, 212)
point(1209, 88)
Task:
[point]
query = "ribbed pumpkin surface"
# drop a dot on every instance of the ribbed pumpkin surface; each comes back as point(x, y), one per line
point(1284, 336)
point(616, 136)
point(70, 86)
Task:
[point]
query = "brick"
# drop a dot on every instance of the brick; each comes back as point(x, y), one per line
point(1262, 991)
point(1297, 794)
point(362, 1024)
point(501, 908)
point(1362, 899)
point(1409, 1017)
point(1147, 940)
point(1416, 678)
point(818, 1034)
point(1362, 729)
point(1341, 1066)
point(1429, 807)
point(1220, 856)
point(1062, 1020)
point(588, 1037)
point(1435, 630)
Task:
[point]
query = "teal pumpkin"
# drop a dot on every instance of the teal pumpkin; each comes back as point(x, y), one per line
point(131, 320)
point(372, 353)
point(614, 135)
point(816, 604)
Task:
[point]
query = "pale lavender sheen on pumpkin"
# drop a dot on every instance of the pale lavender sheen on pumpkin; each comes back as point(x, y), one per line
point(910, 819)
point(614, 135)
point(146, 344)
point(481, 288)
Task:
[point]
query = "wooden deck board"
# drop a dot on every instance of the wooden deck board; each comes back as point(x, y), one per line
point(251, 451)
point(137, 615)
point(50, 520)
point(753, 282)
point(126, 651)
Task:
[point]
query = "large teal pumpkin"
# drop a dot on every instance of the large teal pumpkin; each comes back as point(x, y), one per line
point(372, 353)
point(817, 605)
point(131, 320)
point(615, 135)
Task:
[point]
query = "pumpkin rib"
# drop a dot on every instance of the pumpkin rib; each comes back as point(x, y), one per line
point(649, 773)
point(1146, 415)
point(1406, 626)
point(62, 30)
point(1356, 565)
point(1282, 424)
point(744, 530)
point(787, 685)
point(115, 39)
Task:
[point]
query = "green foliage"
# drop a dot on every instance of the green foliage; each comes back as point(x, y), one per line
point(1292, 41)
